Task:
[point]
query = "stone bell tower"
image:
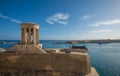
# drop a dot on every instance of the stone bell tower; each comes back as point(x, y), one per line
point(29, 40)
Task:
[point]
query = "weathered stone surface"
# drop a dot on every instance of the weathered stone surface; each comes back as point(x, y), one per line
point(63, 64)
point(2, 50)
point(19, 48)
point(93, 72)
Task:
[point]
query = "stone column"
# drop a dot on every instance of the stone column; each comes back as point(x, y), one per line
point(25, 36)
point(34, 36)
point(29, 36)
point(22, 32)
point(37, 36)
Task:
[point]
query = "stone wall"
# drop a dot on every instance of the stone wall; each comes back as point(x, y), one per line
point(12, 64)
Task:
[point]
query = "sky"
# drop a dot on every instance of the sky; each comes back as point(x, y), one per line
point(61, 19)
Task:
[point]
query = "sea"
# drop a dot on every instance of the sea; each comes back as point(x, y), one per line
point(104, 57)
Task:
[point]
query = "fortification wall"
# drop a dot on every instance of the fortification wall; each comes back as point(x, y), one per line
point(12, 64)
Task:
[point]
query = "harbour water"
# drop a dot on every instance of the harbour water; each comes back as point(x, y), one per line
point(104, 57)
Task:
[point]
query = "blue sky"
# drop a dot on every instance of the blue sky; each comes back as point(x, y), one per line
point(62, 19)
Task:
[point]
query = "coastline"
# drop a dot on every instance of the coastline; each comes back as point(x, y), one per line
point(105, 41)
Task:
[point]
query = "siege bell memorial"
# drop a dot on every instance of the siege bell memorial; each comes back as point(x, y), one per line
point(28, 58)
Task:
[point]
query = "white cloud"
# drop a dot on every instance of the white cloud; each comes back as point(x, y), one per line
point(103, 31)
point(86, 17)
point(58, 18)
point(107, 23)
point(4, 17)
point(9, 18)
point(14, 20)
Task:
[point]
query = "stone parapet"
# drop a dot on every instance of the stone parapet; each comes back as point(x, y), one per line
point(58, 64)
